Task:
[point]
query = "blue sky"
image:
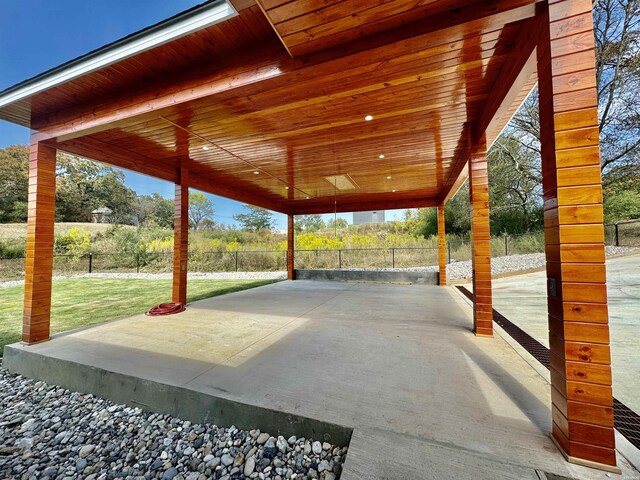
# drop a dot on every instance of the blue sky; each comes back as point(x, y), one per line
point(36, 35)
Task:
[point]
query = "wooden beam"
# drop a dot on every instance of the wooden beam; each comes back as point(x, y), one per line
point(518, 68)
point(305, 207)
point(120, 157)
point(269, 67)
point(291, 273)
point(581, 390)
point(181, 238)
point(442, 248)
point(232, 188)
point(206, 180)
point(480, 241)
point(39, 250)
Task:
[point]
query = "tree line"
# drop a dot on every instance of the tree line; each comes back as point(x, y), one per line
point(83, 186)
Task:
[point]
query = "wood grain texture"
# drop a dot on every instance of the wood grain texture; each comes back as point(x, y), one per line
point(582, 399)
point(442, 248)
point(480, 240)
point(181, 238)
point(291, 273)
point(426, 71)
point(39, 248)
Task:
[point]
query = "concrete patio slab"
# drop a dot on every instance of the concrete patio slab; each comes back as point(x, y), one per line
point(523, 300)
point(398, 364)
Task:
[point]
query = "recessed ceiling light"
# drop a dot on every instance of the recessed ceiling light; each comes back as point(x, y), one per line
point(205, 147)
point(380, 157)
point(393, 191)
point(389, 177)
point(256, 172)
point(368, 118)
point(286, 188)
point(308, 198)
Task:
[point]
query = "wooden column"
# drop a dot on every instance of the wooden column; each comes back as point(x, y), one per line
point(39, 263)
point(291, 274)
point(181, 238)
point(581, 393)
point(442, 248)
point(481, 241)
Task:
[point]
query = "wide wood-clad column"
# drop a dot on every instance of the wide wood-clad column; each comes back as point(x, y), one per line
point(481, 241)
point(39, 263)
point(582, 402)
point(291, 274)
point(181, 238)
point(442, 248)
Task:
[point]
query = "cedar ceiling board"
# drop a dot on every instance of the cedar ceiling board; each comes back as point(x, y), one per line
point(306, 26)
point(381, 49)
point(397, 63)
point(381, 54)
point(304, 29)
point(207, 48)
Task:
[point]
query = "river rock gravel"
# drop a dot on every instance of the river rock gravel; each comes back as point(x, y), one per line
point(49, 433)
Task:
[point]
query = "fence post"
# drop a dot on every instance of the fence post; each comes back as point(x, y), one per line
point(393, 258)
point(506, 245)
point(90, 262)
point(617, 235)
point(236, 257)
point(339, 259)
point(448, 253)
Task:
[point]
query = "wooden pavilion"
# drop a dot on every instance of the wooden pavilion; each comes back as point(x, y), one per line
point(304, 106)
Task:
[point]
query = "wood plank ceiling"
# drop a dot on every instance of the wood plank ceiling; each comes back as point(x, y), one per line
point(424, 73)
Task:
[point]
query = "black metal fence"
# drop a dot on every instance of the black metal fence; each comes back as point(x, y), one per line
point(623, 234)
point(146, 261)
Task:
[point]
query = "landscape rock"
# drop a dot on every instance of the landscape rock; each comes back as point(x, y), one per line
point(49, 432)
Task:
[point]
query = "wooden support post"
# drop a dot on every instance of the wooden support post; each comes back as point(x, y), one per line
point(481, 241)
point(442, 248)
point(181, 238)
point(581, 392)
point(39, 263)
point(291, 273)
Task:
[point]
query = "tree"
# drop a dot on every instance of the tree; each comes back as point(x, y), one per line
point(424, 221)
point(200, 209)
point(154, 209)
point(84, 185)
point(14, 183)
point(255, 218)
point(337, 223)
point(617, 37)
point(515, 187)
point(310, 223)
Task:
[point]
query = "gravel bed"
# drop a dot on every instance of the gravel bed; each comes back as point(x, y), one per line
point(48, 432)
point(516, 263)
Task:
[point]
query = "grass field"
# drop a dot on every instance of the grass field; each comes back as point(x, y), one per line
point(80, 302)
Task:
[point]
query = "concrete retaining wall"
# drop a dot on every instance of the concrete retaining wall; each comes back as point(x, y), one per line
point(179, 402)
point(424, 278)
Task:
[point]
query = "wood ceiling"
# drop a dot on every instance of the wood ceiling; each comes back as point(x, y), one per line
point(264, 106)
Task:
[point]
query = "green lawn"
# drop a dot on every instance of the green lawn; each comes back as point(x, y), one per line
point(80, 302)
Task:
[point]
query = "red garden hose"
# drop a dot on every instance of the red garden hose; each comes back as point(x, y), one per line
point(168, 308)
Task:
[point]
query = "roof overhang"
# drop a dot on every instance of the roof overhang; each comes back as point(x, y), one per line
point(171, 29)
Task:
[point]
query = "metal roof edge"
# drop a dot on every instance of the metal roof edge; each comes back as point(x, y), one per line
point(189, 21)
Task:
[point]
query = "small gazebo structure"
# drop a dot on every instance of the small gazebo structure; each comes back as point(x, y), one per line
point(263, 100)
point(101, 215)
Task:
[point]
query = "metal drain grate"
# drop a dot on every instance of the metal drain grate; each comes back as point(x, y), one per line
point(625, 420)
point(542, 475)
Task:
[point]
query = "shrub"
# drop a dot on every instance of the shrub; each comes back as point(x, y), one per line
point(76, 242)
